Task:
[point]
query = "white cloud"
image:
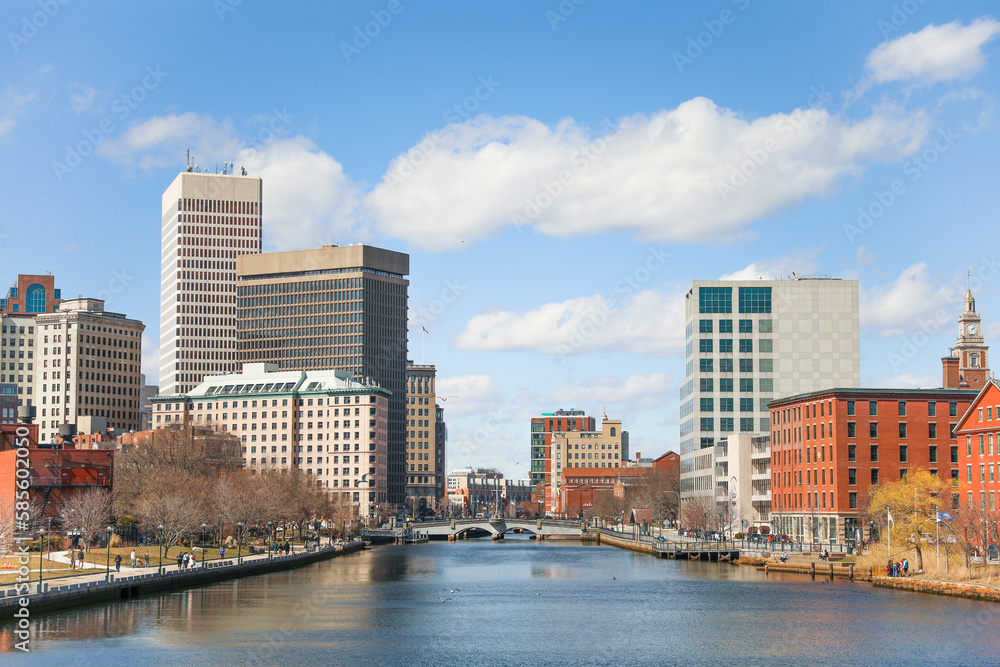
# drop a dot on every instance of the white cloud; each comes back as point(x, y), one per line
point(936, 53)
point(308, 196)
point(81, 97)
point(642, 392)
point(801, 263)
point(646, 324)
point(909, 381)
point(915, 301)
point(661, 176)
point(13, 105)
point(468, 394)
point(864, 256)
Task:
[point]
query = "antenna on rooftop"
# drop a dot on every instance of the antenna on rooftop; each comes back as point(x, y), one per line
point(187, 154)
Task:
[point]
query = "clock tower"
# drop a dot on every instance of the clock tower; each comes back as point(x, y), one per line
point(967, 367)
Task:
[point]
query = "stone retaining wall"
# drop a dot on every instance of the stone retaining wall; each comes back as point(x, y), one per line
point(969, 591)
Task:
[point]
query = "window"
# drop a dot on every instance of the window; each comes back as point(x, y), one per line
point(953, 409)
point(931, 454)
point(715, 299)
point(707, 405)
point(34, 299)
point(766, 365)
point(746, 405)
point(902, 408)
point(874, 454)
point(850, 408)
point(726, 404)
point(932, 409)
point(726, 424)
point(872, 408)
point(705, 326)
point(705, 365)
point(851, 429)
point(954, 453)
point(725, 326)
point(764, 326)
point(707, 424)
point(746, 385)
point(766, 384)
point(853, 500)
point(902, 429)
point(746, 424)
point(725, 384)
point(705, 345)
point(706, 384)
point(746, 345)
point(746, 365)
point(852, 453)
point(872, 429)
point(932, 430)
point(902, 454)
point(874, 475)
point(725, 365)
point(852, 476)
point(755, 299)
point(746, 326)
point(726, 345)
point(765, 345)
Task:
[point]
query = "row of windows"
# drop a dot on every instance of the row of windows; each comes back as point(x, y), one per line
point(726, 326)
point(706, 345)
point(720, 299)
point(901, 408)
point(726, 424)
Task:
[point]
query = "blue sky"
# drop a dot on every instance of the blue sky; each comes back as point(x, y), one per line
point(558, 172)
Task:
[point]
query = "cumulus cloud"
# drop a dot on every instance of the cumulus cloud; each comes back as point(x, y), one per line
point(468, 394)
point(642, 392)
point(936, 53)
point(802, 263)
point(646, 324)
point(308, 197)
point(675, 176)
point(912, 302)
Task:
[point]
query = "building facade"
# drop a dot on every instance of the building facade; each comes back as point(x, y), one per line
point(604, 448)
point(542, 430)
point(830, 447)
point(88, 364)
point(208, 221)
point(424, 455)
point(31, 294)
point(322, 423)
point(748, 342)
point(743, 477)
point(18, 362)
point(979, 446)
point(341, 308)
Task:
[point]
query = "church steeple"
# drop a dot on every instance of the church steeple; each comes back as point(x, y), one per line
point(967, 367)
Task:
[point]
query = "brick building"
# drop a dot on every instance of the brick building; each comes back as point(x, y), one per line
point(828, 448)
point(979, 434)
point(31, 294)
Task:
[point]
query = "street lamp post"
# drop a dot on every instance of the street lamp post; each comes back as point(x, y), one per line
point(270, 540)
point(159, 544)
point(203, 527)
point(239, 542)
point(107, 571)
point(41, 556)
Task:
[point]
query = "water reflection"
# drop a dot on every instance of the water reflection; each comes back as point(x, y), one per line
point(521, 602)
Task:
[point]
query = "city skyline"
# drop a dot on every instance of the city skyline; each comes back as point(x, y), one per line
point(559, 178)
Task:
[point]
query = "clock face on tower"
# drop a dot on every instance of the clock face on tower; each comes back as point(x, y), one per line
point(972, 329)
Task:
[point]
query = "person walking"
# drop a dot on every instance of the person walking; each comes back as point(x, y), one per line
point(906, 567)
point(222, 551)
point(118, 562)
point(133, 557)
point(180, 557)
point(145, 557)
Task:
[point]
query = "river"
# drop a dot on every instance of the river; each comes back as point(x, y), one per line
point(520, 603)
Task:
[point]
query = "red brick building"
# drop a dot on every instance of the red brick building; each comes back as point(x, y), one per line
point(828, 448)
point(967, 367)
point(542, 429)
point(31, 294)
point(583, 486)
point(979, 434)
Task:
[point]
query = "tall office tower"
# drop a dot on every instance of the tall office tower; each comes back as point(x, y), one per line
point(208, 221)
point(17, 356)
point(750, 342)
point(333, 307)
point(542, 456)
point(424, 477)
point(88, 363)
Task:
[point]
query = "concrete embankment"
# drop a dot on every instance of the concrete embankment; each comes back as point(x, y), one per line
point(955, 589)
point(87, 589)
point(621, 543)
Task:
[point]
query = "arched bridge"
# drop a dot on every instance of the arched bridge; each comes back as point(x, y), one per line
point(495, 527)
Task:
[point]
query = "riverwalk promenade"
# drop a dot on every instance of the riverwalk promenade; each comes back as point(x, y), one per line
point(97, 584)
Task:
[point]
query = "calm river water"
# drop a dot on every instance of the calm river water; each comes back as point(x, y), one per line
point(521, 603)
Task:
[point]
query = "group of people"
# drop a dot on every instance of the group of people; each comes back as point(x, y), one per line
point(278, 547)
point(76, 558)
point(897, 568)
point(186, 560)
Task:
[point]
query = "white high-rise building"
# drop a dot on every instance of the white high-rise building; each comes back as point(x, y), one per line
point(208, 221)
point(748, 343)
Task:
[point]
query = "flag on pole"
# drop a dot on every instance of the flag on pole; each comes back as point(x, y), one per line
point(889, 514)
point(944, 516)
point(425, 330)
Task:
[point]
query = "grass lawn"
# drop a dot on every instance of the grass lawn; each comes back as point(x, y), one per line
point(10, 564)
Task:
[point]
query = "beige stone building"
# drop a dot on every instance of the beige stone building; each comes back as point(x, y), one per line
point(424, 458)
point(87, 364)
point(333, 307)
point(323, 423)
point(606, 448)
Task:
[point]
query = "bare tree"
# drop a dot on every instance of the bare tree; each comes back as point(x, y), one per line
point(658, 490)
point(89, 513)
point(177, 505)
